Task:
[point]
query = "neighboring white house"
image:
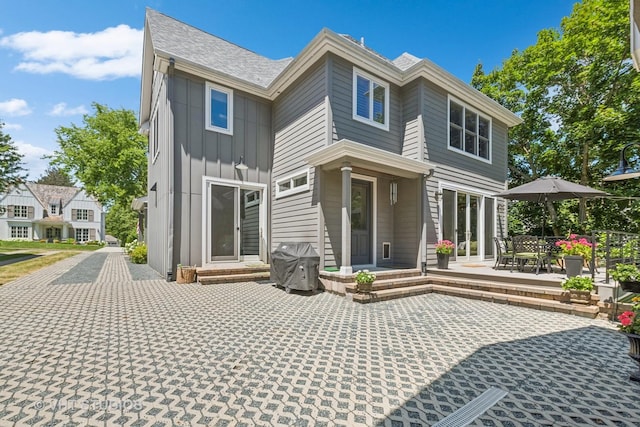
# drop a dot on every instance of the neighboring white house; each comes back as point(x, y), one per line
point(38, 211)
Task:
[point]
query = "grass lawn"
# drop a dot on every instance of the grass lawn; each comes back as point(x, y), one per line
point(10, 245)
point(16, 270)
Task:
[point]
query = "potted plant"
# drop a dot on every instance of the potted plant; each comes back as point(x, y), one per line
point(579, 289)
point(186, 274)
point(630, 325)
point(575, 251)
point(628, 276)
point(364, 281)
point(444, 248)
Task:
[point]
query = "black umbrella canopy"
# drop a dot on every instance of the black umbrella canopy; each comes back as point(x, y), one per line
point(550, 188)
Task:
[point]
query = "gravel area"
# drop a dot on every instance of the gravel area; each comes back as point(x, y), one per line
point(85, 272)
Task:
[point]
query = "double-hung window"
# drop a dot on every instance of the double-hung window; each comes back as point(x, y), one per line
point(370, 100)
point(219, 109)
point(19, 232)
point(21, 211)
point(82, 215)
point(469, 132)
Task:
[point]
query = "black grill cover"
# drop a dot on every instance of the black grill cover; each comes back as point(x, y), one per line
point(294, 265)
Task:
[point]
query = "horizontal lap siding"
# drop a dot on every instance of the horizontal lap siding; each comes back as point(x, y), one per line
point(200, 152)
point(406, 230)
point(299, 123)
point(411, 135)
point(332, 210)
point(455, 168)
point(345, 127)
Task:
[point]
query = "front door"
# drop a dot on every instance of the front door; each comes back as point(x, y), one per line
point(234, 223)
point(361, 222)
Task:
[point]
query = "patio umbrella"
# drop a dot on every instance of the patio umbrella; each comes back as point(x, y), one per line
point(550, 188)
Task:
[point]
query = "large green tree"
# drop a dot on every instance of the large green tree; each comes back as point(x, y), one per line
point(55, 176)
point(106, 154)
point(121, 221)
point(11, 170)
point(579, 97)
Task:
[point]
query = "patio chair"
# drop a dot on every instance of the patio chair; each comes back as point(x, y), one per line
point(503, 254)
point(529, 248)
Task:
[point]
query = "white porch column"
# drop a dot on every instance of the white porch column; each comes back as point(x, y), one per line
point(345, 268)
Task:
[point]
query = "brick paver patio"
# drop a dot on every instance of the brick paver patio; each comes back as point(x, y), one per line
point(110, 350)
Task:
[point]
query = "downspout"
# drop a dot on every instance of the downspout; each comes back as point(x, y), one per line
point(170, 161)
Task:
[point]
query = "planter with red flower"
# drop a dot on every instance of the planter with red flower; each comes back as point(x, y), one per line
point(630, 325)
point(444, 248)
point(575, 251)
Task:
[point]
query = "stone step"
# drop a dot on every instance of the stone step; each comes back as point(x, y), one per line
point(532, 291)
point(231, 270)
point(393, 293)
point(384, 284)
point(590, 311)
point(234, 278)
point(500, 277)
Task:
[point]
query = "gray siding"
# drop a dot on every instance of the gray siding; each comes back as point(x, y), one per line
point(411, 121)
point(407, 222)
point(332, 211)
point(158, 203)
point(345, 127)
point(300, 128)
point(435, 118)
point(200, 152)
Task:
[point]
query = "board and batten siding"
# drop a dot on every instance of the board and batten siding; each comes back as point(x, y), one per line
point(345, 127)
point(158, 173)
point(200, 152)
point(300, 128)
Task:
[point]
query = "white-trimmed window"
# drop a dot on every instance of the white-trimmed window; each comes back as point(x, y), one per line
point(82, 234)
point(53, 209)
point(469, 132)
point(19, 232)
point(154, 136)
point(82, 215)
point(251, 198)
point(370, 100)
point(293, 184)
point(20, 211)
point(219, 109)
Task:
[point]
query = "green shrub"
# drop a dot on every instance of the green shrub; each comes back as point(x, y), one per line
point(139, 254)
point(579, 283)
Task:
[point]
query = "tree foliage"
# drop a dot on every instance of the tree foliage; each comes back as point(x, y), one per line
point(11, 169)
point(579, 97)
point(55, 176)
point(106, 154)
point(121, 221)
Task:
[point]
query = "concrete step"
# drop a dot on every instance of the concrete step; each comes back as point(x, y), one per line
point(392, 293)
point(384, 284)
point(234, 278)
point(499, 277)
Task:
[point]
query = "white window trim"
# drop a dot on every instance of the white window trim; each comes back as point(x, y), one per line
point(78, 216)
point(256, 201)
point(207, 105)
point(291, 178)
point(354, 97)
point(462, 151)
point(153, 135)
point(23, 228)
point(82, 232)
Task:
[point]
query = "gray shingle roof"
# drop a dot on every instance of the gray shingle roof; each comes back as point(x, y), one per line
point(52, 194)
point(405, 61)
point(189, 43)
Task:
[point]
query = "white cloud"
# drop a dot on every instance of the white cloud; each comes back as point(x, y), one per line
point(61, 109)
point(34, 164)
point(12, 126)
point(15, 107)
point(109, 54)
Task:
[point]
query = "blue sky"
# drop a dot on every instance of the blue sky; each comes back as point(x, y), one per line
point(56, 58)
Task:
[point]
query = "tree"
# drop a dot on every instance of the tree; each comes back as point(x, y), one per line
point(579, 98)
point(106, 154)
point(121, 221)
point(10, 162)
point(55, 176)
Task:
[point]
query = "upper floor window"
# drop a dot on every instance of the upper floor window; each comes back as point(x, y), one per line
point(53, 209)
point(219, 109)
point(370, 100)
point(292, 184)
point(20, 211)
point(469, 132)
point(82, 215)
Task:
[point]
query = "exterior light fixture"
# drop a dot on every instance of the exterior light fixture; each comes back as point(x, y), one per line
point(241, 166)
point(624, 171)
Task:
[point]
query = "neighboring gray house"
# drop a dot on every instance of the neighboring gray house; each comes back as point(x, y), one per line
point(371, 160)
point(50, 212)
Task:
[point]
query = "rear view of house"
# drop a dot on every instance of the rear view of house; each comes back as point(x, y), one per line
point(371, 160)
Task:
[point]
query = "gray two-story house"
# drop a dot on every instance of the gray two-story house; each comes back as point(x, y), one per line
point(371, 160)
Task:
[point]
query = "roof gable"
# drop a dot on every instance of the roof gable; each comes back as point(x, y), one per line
point(52, 194)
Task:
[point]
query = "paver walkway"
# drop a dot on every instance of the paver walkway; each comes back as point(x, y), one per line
point(109, 350)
